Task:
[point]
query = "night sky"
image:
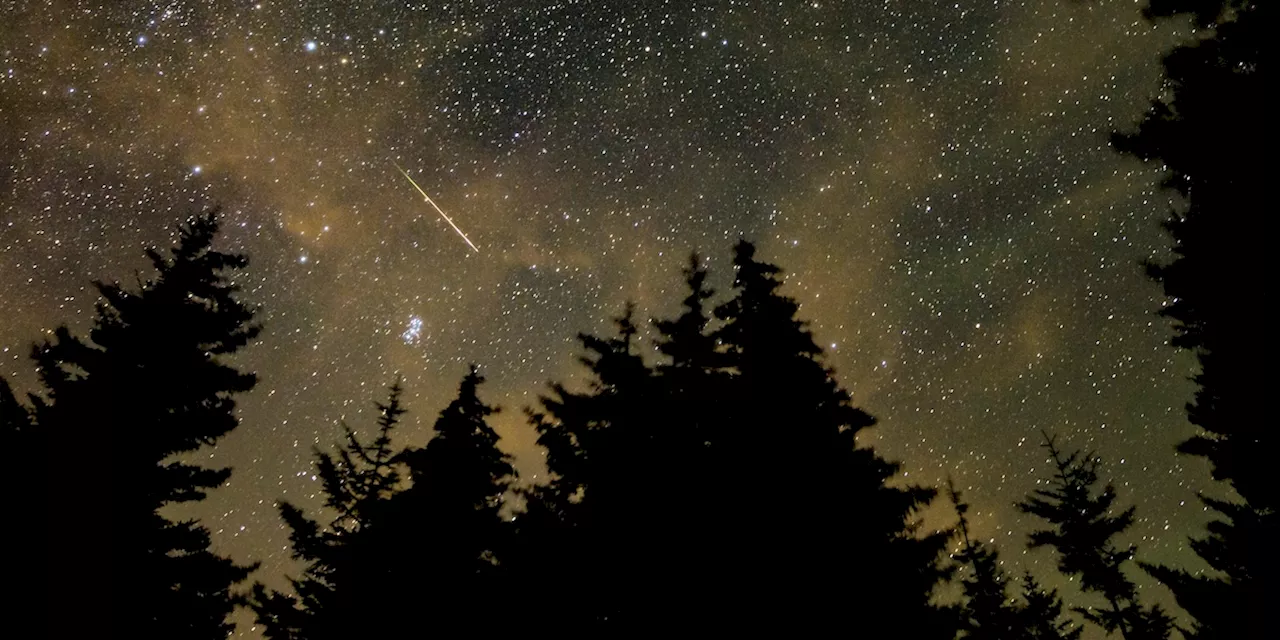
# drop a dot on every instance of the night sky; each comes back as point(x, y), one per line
point(935, 180)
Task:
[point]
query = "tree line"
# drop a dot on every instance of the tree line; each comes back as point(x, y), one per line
point(719, 487)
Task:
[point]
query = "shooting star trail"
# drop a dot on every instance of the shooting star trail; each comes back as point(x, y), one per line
point(437, 208)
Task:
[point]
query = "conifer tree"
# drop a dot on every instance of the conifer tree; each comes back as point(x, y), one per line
point(987, 610)
point(117, 414)
point(401, 557)
point(1041, 616)
point(1204, 130)
point(1082, 530)
point(686, 341)
point(691, 381)
point(693, 387)
point(14, 417)
point(601, 446)
point(572, 425)
point(358, 479)
point(21, 472)
point(724, 487)
point(434, 559)
point(810, 529)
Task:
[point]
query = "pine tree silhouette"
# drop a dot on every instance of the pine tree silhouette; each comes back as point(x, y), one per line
point(986, 610)
point(1082, 531)
point(810, 529)
point(1220, 239)
point(21, 472)
point(1041, 618)
point(442, 542)
point(603, 503)
point(358, 480)
point(14, 417)
point(722, 489)
point(686, 340)
point(693, 384)
point(401, 557)
point(117, 413)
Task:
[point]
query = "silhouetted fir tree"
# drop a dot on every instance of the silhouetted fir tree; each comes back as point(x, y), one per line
point(17, 442)
point(692, 378)
point(723, 489)
point(401, 559)
point(687, 340)
point(432, 561)
point(358, 479)
point(1041, 616)
point(1239, 546)
point(606, 499)
point(569, 423)
point(361, 476)
point(694, 389)
point(1082, 529)
point(118, 412)
point(986, 611)
point(809, 532)
point(22, 473)
point(14, 417)
point(1206, 130)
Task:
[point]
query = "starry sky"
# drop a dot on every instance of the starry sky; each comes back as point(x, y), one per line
point(936, 181)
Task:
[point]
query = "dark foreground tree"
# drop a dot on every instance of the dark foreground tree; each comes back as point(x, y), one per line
point(595, 529)
point(1082, 530)
point(1207, 131)
point(724, 489)
point(400, 557)
point(22, 472)
point(447, 529)
point(1041, 617)
point(358, 480)
point(117, 414)
point(793, 481)
point(986, 611)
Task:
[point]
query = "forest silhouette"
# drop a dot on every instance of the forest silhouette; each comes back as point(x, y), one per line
point(719, 488)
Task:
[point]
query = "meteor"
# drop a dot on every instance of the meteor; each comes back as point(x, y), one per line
point(437, 208)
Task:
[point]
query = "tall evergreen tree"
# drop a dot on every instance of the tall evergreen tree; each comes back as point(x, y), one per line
point(14, 417)
point(693, 385)
point(1082, 529)
point(1205, 130)
point(358, 480)
point(22, 473)
point(809, 527)
point(605, 500)
point(118, 412)
point(987, 610)
point(687, 341)
point(401, 557)
point(1041, 616)
point(723, 486)
point(441, 545)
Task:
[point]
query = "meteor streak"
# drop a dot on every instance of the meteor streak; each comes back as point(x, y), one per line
point(437, 208)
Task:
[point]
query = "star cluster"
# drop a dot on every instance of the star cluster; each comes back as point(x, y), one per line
point(936, 180)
